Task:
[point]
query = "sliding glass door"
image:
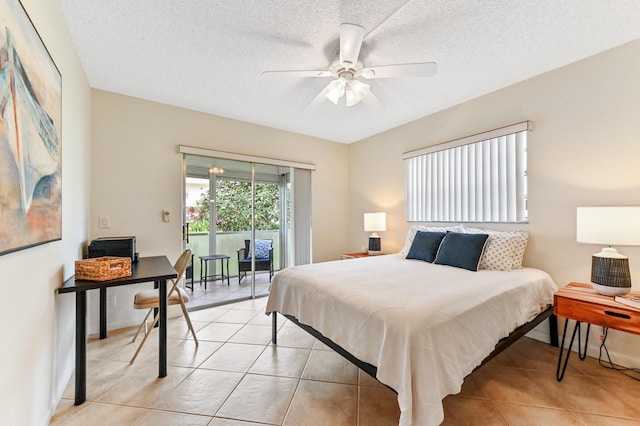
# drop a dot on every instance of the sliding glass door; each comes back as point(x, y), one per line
point(239, 226)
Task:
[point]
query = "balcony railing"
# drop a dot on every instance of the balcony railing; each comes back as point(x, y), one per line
point(229, 243)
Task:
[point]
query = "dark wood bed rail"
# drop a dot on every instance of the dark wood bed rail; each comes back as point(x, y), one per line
point(372, 369)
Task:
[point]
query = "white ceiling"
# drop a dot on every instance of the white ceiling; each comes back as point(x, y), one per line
point(208, 55)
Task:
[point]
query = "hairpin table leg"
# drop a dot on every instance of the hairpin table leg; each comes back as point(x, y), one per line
point(582, 353)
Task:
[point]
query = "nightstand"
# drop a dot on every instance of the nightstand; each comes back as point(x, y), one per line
point(581, 303)
point(357, 255)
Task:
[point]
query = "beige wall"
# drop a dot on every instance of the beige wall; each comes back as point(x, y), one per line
point(584, 150)
point(37, 326)
point(137, 172)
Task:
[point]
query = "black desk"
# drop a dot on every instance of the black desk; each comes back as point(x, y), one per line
point(157, 269)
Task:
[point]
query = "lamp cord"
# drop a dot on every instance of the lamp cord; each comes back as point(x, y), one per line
point(611, 365)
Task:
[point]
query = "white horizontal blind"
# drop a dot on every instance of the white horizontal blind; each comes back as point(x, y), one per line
point(483, 181)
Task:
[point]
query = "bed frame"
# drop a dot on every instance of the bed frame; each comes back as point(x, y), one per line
point(372, 369)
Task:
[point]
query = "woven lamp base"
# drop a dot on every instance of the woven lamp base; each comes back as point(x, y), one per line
point(610, 275)
point(606, 290)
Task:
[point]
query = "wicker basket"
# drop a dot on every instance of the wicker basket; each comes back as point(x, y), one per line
point(103, 268)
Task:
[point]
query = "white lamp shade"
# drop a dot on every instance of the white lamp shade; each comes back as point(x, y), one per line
point(356, 91)
point(614, 226)
point(375, 222)
point(335, 90)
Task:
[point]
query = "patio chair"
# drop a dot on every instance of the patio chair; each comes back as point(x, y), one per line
point(263, 261)
point(150, 299)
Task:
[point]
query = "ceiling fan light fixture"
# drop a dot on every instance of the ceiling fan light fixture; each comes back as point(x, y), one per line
point(347, 68)
point(356, 91)
point(351, 98)
point(335, 90)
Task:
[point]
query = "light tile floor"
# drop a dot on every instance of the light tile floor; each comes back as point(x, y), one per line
point(235, 377)
point(219, 292)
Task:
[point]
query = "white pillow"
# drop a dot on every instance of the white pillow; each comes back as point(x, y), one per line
point(504, 250)
point(415, 228)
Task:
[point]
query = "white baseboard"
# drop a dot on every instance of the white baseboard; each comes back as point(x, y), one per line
point(135, 318)
point(542, 336)
point(622, 359)
point(541, 332)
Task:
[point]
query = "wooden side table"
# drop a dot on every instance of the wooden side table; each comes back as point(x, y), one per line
point(357, 255)
point(580, 302)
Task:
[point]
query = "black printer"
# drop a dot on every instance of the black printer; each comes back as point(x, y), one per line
point(114, 246)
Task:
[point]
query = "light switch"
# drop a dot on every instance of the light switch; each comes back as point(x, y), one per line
point(166, 216)
point(104, 222)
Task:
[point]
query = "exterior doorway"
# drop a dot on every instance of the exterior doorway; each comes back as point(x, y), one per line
point(230, 207)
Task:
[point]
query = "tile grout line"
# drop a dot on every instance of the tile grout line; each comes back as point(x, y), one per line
point(293, 395)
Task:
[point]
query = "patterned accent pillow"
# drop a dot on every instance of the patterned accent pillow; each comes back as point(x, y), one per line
point(411, 234)
point(262, 249)
point(504, 250)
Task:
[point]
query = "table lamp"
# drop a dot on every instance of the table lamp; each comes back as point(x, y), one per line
point(375, 222)
point(620, 226)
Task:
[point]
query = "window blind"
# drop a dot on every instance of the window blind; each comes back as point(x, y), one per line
point(480, 178)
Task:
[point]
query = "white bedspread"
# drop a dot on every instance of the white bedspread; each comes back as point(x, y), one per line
point(425, 326)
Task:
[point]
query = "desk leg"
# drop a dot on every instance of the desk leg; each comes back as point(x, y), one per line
point(155, 310)
point(162, 370)
point(582, 354)
point(81, 347)
point(103, 313)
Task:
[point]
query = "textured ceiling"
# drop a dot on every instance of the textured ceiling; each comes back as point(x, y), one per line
point(208, 55)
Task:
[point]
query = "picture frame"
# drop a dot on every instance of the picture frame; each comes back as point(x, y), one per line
point(30, 135)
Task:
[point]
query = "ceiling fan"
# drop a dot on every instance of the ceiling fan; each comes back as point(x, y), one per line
point(348, 68)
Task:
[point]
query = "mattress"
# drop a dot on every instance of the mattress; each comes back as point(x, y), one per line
point(424, 326)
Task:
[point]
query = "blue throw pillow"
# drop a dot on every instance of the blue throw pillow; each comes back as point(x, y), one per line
point(461, 250)
point(425, 246)
point(262, 249)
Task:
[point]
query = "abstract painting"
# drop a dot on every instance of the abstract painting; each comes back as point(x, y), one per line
point(30, 135)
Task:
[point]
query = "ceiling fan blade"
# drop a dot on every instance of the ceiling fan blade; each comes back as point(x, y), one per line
point(350, 44)
point(297, 73)
point(318, 100)
point(372, 103)
point(419, 69)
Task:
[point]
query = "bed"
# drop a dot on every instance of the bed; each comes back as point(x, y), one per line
point(419, 327)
